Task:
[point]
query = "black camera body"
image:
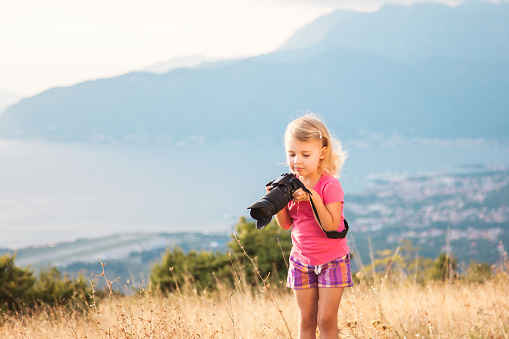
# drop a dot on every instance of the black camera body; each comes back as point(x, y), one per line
point(280, 194)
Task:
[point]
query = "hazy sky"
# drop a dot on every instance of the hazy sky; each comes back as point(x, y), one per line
point(51, 43)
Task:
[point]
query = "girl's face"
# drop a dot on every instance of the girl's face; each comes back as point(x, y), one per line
point(303, 157)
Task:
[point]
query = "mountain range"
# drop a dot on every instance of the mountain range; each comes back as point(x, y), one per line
point(426, 71)
point(8, 98)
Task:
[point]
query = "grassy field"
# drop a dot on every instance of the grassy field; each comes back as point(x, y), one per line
point(380, 309)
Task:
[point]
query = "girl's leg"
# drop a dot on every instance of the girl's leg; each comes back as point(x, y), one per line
point(328, 306)
point(307, 306)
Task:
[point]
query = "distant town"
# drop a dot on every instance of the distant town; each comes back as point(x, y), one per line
point(437, 211)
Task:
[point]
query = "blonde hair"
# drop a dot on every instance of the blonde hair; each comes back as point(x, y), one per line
point(311, 127)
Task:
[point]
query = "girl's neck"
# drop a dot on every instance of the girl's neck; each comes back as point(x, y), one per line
point(311, 179)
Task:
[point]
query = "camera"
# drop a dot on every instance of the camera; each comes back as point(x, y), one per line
point(280, 194)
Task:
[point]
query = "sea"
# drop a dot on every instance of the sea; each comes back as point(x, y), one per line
point(55, 192)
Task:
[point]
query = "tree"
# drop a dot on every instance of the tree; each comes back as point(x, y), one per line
point(203, 270)
point(444, 267)
point(16, 284)
point(478, 273)
point(53, 289)
point(265, 247)
point(397, 264)
point(20, 288)
point(178, 269)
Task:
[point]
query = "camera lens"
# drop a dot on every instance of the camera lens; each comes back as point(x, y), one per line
point(261, 211)
point(270, 204)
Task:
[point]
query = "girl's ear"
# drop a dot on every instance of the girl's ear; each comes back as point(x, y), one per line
point(323, 152)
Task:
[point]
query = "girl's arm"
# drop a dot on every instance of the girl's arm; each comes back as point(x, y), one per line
point(330, 214)
point(283, 219)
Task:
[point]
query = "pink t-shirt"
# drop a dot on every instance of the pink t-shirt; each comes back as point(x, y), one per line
point(310, 245)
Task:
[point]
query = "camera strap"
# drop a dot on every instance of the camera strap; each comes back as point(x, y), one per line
point(329, 234)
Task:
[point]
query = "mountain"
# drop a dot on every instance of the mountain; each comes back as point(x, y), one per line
point(475, 31)
point(8, 98)
point(183, 62)
point(427, 71)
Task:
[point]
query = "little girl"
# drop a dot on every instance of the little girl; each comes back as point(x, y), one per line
point(319, 266)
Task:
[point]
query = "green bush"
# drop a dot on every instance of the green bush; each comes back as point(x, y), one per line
point(398, 264)
point(203, 270)
point(53, 289)
point(178, 269)
point(478, 273)
point(444, 267)
point(16, 285)
point(20, 288)
point(265, 247)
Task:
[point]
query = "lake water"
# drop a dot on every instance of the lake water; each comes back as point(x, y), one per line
point(59, 192)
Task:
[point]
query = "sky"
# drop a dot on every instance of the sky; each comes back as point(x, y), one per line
point(52, 43)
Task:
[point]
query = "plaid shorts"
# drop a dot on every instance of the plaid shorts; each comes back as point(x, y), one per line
point(335, 273)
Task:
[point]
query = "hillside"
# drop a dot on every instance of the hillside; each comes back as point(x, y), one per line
point(474, 31)
point(418, 76)
point(8, 98)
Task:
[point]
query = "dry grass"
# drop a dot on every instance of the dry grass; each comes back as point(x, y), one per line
point(371, 309)
point(437, 310)
point(391, 310)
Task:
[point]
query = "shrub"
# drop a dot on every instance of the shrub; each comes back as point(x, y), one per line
point(16, 284)
point(20, 289)
point(202, 269)
point(478, 273)
point(265, 246)
point(178, 269)
point(53, 289)
point(444, 267)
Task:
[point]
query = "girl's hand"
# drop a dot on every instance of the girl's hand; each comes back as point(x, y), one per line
point(300, 195)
